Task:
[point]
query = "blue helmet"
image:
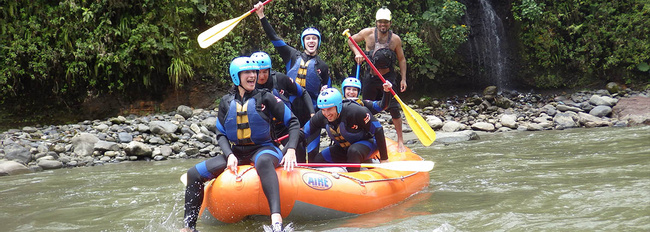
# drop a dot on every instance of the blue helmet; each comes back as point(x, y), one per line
point(351, 82)
point(330, 97)
point(242, 63)
point(262, 59)
point(309, 31)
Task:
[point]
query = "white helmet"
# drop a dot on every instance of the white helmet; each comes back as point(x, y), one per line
point(383, 13)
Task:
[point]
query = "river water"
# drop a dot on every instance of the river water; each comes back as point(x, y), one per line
point(570, 180)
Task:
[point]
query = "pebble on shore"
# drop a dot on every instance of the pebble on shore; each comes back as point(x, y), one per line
point(190, 133)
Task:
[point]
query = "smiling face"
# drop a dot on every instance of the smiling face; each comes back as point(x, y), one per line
point(330, 113)
point(263, 76)
point(383, 25)
point(311, 44)
point(247, 79)
point(351, 92)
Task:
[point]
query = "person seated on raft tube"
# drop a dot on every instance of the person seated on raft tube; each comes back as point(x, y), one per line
point(352, 86)
point(245, 143)
point(305, 68)
point(355, 131)
point(284, 88)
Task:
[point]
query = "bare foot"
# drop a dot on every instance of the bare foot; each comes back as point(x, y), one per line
point(400, 147)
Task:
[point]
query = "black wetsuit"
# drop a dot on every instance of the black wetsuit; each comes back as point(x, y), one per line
point(356, 134)
point(375, 106)
point(317, 72)
point(255, 145)
point(282, 87)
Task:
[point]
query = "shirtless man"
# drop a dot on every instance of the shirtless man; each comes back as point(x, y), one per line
point(384, 48)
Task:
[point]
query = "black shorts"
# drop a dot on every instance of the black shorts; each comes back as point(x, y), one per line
point(372, 90)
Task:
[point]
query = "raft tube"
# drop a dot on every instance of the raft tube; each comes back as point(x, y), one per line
point(309, 194)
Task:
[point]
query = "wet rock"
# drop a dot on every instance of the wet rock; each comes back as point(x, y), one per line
point(185, 111)
point(451, 126)
point(434, 122)
point(613, 87)
point(602, 101)
point(12, 168)
point(509, 120)
point(46, 164)
point(455, 137)
point(565, 108)
point(565, 120)
point(84, 144)
point(483, 126)
point(162, 127)
point(19, 153)
point(106, 146)
point(138, 149)
point(601, 111)
point(634, 110)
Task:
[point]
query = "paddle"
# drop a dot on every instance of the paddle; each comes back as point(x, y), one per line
point(358, 66)
point(420, 127)
point(184, 176)
point(220, 30)
point(414, 166)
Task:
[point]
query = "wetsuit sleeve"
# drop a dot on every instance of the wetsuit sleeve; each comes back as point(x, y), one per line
point(222, 140)
point(286, 52)
point(294, 89)
point(312, 131)
point(307, 100)
point(381, 105)
point(280, 111)
point(324, 74)
point(372, 125)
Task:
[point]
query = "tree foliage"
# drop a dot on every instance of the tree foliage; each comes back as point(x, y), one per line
point(573, 43)
point(75, 48)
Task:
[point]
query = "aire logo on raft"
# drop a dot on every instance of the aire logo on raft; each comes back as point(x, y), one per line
point(317, 181)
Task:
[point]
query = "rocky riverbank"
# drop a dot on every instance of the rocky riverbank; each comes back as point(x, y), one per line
point(189, 133)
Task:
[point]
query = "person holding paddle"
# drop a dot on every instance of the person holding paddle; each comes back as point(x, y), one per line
point(384, 48)
point(282, 87)
point(355, 131)
point(303, 67)
point(244, 134)
point(352, 87)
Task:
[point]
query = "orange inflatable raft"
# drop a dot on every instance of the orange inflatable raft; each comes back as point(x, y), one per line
point(313, 194)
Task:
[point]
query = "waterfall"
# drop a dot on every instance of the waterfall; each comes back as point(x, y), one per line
point(487, 46)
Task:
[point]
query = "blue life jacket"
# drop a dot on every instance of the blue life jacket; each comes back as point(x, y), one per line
point(306, 75)
point(241, 118)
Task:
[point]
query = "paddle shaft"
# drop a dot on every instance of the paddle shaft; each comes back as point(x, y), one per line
point(236, 21)
point(358, 67)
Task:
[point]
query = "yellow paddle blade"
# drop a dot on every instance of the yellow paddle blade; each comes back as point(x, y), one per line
point(214, 34)
point(420, 127)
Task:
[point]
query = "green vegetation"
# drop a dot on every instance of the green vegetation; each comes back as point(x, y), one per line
point(576, 42)
point(74, 49)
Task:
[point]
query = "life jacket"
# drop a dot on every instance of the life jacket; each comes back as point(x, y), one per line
point(305, 74)
point(240, 118)
point(341, 135)
point(382, 56)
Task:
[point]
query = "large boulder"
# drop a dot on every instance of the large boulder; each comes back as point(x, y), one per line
point(84, 144)
point(162, 127)
point(18, 153)
point(12, 168)
point(635, 110)
point(565, 120)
